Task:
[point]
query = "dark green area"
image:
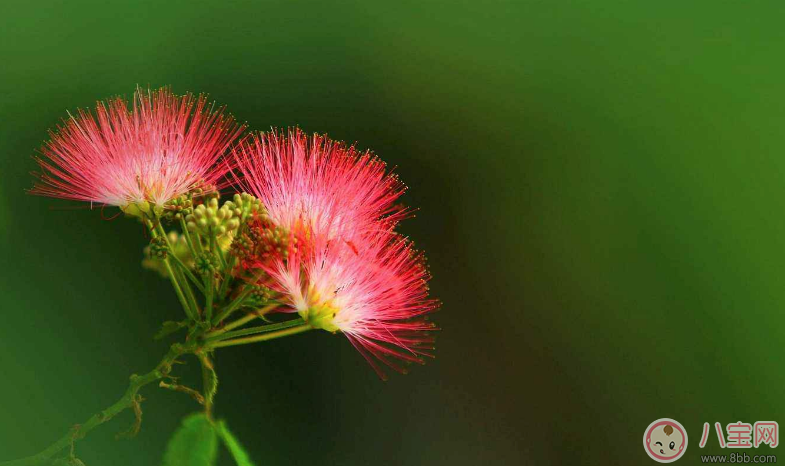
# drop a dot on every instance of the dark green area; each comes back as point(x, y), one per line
point(600, 188)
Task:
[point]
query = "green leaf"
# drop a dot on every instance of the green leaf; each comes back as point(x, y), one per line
point(234, 447)
point(195, 443)
point(169, 327)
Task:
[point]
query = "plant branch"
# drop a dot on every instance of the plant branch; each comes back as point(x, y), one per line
point(126, 401)
point(183, 389)
point(210, 382)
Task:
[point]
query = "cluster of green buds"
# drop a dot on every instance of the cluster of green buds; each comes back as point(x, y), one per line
point(245, 206)
point(209, 219)
point(158, 249)
point(260, 296)
point(180, 207)
point(206, 263)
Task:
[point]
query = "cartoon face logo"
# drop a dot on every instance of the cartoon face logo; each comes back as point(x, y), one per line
point(665, 440)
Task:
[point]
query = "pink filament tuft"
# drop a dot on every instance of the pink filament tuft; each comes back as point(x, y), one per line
point(342, 204)
point(315, 184)
point(158, 149)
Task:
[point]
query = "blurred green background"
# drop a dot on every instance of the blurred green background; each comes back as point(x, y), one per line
point(600, 188)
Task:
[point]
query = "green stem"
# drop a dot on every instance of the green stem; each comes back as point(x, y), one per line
point(233, 305)
point(227, 276)
point(189, 294)
point(257, 329)
point(262, 337)
point(198, 243)
point(187, 235)
point(218, 251)
point(182, 282)
point(208, 306)
point(126, 401)
point(172, 276)
point(188, 273)
point(243, 320)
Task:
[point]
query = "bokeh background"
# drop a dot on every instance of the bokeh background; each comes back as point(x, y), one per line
point(600, 189)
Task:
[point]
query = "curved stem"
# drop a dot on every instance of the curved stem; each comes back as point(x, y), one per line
point(126, 401)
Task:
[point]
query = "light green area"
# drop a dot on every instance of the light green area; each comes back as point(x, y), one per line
point(195, 443)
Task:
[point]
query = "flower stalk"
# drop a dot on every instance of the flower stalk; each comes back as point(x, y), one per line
point(184, 269)
point(172, 276)
point(263, 337)
point(254, 330)
point(234, 304)
point(181, 286)
point(244, 320)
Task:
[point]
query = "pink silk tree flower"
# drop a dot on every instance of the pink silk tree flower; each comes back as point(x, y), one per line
point(312, 184)
point(159, 149)
point(375, 292)
point(327, 246)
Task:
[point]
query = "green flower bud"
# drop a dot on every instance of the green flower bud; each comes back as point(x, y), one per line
point(159, 247)
point(207, 263)
point(157, 251)
point(179, 207)
point(245, 205)
point(208, 219)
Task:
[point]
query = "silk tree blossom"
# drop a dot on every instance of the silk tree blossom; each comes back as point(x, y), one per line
point(374, 292)
point(315, 185)
point(159, 149)
point(327, 246)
